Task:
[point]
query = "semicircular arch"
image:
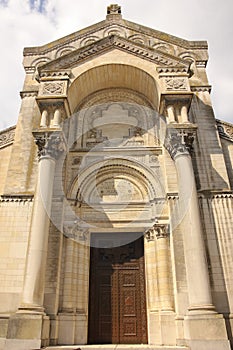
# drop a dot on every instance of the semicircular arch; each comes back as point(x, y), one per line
point(139, 175)
point(109, 76)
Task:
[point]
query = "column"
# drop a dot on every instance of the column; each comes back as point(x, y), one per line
point(151, 271)
point(178, 143)
point(161, 234)
point(184, 114)
point(44, 119)
point(50, 146)
point(171, 114)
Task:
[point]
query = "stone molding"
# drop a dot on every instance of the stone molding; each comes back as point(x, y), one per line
point(55, 75)
point(157, 231)
point(50, 143)
point(16, 198)
point(179, 142)
point(7, 137)
point(225, 130)
point(24, 94)
point(201, 88)
point(165, 71)
point(114, 95)
point(114, 41)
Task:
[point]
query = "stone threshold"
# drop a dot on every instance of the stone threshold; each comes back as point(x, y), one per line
point(116, 347)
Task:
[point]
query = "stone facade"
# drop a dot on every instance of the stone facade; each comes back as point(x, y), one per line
point(116, 135)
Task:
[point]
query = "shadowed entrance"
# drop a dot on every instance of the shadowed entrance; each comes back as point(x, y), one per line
point(117, 306)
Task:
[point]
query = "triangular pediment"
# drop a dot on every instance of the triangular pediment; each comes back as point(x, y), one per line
point(136, 34)
point(74, 58)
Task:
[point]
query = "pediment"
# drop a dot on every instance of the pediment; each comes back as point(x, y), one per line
point(72, 59)
point(134, 33)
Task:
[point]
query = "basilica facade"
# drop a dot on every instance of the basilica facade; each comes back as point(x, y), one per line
point(116, 196)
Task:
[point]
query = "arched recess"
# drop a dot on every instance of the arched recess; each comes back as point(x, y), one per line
point(144, 183)
point(112, 76)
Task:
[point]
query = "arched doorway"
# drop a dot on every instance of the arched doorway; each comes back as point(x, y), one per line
point(117, 298)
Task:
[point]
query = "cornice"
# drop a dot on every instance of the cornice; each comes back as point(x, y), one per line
point(111, 42)
point(7, 136)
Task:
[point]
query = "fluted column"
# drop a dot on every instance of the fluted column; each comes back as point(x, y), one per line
point(50, 146)
point(178, 143)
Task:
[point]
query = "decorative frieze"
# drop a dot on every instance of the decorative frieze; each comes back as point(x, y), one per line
point(7, 137)
point(50, 144)
point(203, 88)
point(172, 70)
point(54, 75)
point(16, 198)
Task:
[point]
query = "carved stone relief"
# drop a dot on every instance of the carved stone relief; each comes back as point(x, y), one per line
point(176, 84)
point(53, 88)
point(7, 137)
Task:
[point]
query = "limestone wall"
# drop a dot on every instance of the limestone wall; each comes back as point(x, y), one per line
point(14, 233)
point(5, 154)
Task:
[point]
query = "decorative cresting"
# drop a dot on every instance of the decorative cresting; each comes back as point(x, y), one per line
point(159, 234)
point(52, 98)
point(49, 143)
point(178, 143)
point(50, 146)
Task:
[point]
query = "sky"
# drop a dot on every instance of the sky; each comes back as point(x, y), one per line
point(25, 23)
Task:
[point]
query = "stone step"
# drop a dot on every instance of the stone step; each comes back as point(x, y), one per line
point(115, 347)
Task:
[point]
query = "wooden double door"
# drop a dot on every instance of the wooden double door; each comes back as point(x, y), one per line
point(117, 303)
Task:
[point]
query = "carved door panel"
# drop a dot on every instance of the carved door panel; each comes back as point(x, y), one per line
point(117, 312)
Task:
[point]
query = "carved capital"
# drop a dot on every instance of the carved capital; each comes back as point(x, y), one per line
point(179, 142)
point(157, 231)
point(50, 144)
point(75, 232)
point(161, 230)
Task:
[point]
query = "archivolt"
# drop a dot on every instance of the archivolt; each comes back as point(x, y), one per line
point(138, 174)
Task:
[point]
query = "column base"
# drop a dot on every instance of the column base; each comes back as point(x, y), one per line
point(162, 328)
point(72, 329)
point(27, 331)
point(201, 309)
point(206, 331)
point(31, 309)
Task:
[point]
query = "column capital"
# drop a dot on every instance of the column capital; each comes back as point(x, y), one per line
point(50, 144)
point(157, 231)
point(179, 141)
